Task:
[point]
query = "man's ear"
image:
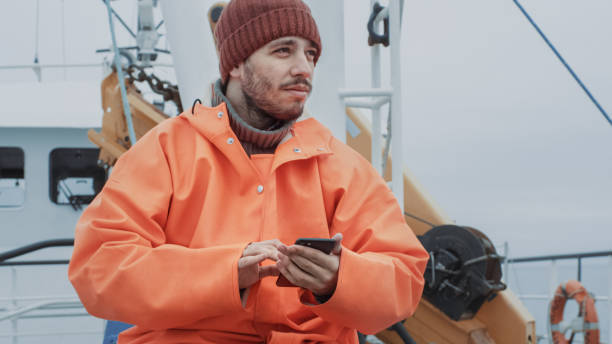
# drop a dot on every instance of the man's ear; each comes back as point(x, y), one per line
point(236, 72)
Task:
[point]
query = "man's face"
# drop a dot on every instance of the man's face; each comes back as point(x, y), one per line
point(277, 78)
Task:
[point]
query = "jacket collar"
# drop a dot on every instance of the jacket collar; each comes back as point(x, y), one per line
point(307, 137)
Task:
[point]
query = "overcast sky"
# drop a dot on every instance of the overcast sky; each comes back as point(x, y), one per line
point(496, 130)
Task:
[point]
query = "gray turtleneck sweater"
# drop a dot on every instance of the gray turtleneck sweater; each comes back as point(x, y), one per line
point(253, 140)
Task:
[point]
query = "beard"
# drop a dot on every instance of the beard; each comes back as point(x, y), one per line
point(258, 90)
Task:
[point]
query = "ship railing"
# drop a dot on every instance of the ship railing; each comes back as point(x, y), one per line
point(554, 281)
point(17, 308)
point(56, 306)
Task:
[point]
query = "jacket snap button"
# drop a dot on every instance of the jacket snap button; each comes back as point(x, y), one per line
point(297, 150)
point(220, 114)
point(230, 140)
point(260, 189)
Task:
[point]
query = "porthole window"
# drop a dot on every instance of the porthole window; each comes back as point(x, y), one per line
point(12, 177)
point(74, 176)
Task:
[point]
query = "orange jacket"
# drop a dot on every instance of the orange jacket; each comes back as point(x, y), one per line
point(159, 246)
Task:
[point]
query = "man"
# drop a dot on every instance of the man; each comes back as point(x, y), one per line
point(199, 214)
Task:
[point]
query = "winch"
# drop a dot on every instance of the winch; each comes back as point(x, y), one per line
point(464, 270)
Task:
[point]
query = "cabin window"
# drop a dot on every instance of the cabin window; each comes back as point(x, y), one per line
point(75, 177)
point(12, 181)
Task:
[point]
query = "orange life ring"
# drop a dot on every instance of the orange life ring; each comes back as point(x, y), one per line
point(586, 321)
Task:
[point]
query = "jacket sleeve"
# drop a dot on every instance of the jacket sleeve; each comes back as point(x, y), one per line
point(123, 269)
point(380, 278)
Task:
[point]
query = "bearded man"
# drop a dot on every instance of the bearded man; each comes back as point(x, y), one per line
point(201, 213)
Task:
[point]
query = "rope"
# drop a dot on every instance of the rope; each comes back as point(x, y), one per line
point(126, 105)
point(569, 69)
point(419, 219)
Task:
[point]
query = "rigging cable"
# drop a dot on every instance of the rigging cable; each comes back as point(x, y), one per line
point(124, 100)
point(569, 69)
point(36, 67)
point(127, 28)
point(419, 219)
point(64, 37)
point(37, 30)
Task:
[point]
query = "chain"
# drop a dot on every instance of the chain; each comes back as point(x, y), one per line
point(167, 90)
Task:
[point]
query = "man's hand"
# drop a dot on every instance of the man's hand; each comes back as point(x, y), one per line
point(310, 268)
point(249, 271)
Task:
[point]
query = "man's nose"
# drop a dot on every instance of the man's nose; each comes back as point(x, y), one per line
point(302, 66)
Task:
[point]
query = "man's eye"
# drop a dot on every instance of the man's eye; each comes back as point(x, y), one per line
point(311, 53)
point(282, 50)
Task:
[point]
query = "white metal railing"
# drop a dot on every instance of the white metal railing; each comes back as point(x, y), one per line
point(554, 282)
point(377, 97)
point(14, 308)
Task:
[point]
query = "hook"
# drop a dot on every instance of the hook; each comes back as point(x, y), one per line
point(194, 103)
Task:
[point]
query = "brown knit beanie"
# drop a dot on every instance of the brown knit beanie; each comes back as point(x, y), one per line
point(247, 25)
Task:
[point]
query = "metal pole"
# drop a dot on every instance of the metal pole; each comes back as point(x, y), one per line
point(372, 92)
point(553, 278)
point(610, 299)
point(64, 38)
point(579, 269)
point(367, 104)
point(70, 65)
point(396, 100)
point(126, 105)
point(14, 329)
point(506, 277)
point(376, 130)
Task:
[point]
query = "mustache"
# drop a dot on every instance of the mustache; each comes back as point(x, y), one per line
point(300, 81)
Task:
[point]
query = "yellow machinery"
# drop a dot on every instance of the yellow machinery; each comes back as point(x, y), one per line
point(503, 320)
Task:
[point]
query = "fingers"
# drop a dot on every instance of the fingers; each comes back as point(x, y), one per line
point(308, 266)
point(303, 266)
point(272, 243)
point(315, 256)
point(268, 247)
point(322, 282)
point(255, 250)
point(249, 271)
point(338, 248)
point(251, 260)
point(295, 275)
point(268, 270)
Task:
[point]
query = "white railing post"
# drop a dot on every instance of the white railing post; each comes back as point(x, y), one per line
point(14, 328)
point(554, 278)
point(609, 299)
point(376, 129)
point(506, 276)
point(397, 174)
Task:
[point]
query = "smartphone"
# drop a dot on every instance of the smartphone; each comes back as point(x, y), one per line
point(323, 245)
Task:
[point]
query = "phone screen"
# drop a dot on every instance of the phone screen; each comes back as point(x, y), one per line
point(323, 245)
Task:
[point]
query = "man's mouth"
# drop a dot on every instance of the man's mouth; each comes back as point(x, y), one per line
point(299, 90)
point(301, 85)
